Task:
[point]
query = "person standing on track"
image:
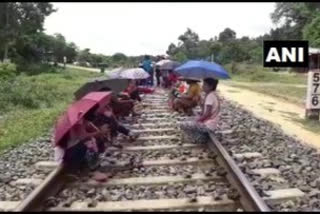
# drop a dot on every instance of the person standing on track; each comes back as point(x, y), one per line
point(198, 129)
point(158, 75)
point(147, 66)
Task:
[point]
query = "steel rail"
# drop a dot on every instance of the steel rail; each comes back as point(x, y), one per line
point(49, 187)
point(249, 198)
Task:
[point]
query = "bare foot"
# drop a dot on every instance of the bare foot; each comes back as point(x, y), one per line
point(101, 177)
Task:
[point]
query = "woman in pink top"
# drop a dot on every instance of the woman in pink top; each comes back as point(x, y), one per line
point(198, 129)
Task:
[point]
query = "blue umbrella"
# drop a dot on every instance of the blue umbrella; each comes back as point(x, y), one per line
point(202, 69)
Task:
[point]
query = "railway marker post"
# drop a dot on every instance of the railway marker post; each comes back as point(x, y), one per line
point(313, 95)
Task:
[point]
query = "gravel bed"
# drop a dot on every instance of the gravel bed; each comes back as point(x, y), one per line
point(155, 142)
point(19, 163)
point(166, 133)
point(182, 170)
point(298, 163)
point(181, 153)
point(126, 192)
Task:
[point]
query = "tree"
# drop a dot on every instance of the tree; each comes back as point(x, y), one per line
point(20, 20)
point(189, 41)
point(311, 32)
point(118, 57)
point(295, 17)
point(203, 50)
point(227, 35)
point(71, 51)
point(172, 49)
point(84, 56)
point(180, 57)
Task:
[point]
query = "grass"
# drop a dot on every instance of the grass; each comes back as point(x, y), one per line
point(285, 85)
point(291, 87)
point(311, 125)
point(288, 93)
point(31, 104)
point(257, 73)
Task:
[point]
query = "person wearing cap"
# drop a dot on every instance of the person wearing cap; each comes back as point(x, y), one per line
point(186, 102)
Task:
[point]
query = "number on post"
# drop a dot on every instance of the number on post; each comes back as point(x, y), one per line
point(316, 77)
point(315, 100)
point(316, 87)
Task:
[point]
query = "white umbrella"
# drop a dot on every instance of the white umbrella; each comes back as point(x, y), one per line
point(115, 73)
point(134, 73)
point(167, 64)
point(161, 62)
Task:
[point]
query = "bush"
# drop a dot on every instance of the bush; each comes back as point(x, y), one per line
point(34, 69)
point(7, 71)
point(41, 91)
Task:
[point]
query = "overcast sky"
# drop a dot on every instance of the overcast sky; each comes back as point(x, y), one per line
point(148, 28)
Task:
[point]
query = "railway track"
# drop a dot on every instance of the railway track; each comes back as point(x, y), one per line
point(169, 173)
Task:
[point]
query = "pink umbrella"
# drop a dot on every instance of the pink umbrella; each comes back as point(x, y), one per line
point(76, 111)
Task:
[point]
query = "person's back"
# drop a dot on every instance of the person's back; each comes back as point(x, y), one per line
point(147, 65)
point(194, 91)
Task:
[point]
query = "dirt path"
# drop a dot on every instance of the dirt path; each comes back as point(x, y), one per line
point(82, 68)
point(274, 110)
point(266, 84)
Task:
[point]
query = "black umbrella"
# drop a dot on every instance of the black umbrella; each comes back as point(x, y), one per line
point(116, 85)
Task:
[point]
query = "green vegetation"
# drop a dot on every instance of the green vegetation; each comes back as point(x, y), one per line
point(295, 21)
point(244, 72)
point(290, 93)
point(310, 125)
point(285, 85)
point(30, 104)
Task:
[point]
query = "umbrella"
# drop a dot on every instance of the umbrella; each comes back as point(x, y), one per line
point(188, 78)
point(167, 64)
point(76, 111)
point(116, 85)
point(202, 69)
point(115, 73)
point(134, 73)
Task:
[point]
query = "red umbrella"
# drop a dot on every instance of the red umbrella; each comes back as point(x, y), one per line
point(76, 111)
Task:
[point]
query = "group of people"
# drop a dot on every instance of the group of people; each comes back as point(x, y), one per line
point(164, 78)
point(97, 129)
point(100, 126)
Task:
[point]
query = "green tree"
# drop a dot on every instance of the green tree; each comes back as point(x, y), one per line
point(119, 57)
point(180, 57)
point(311, 32)
point(20, 20)
point(295, 16)
point(172, 49)
point(84, 56)
point(227, 35)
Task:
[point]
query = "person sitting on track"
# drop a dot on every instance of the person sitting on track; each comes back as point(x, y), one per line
point(172, 79)
point(186, 102)
point(132, 92)
point(121, 107)
point(79, 147)
point(198, 130)
point(103, 115)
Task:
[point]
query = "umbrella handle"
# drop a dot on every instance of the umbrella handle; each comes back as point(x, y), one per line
point(93, 126)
